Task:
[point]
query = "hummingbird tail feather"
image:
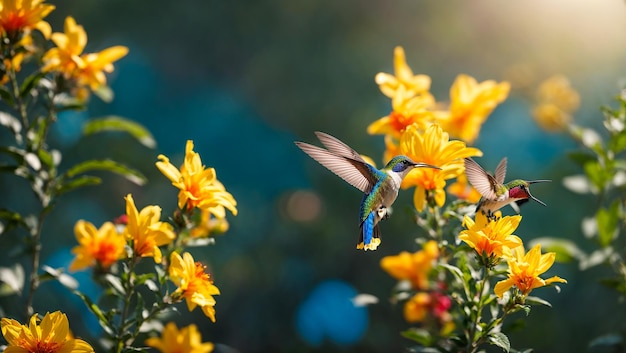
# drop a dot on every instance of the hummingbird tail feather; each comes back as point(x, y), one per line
point(369, 239)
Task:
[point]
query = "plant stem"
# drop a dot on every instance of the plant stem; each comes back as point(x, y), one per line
point(472, 341)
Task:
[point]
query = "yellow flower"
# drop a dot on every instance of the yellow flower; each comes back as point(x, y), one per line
point(198, 186)
point(524, 271)
point(412, 267)
point(146, 231)
point(51, 335)
point(556, 101)
point(65, 57)
point(416, 308)
point(185, 340)
point(403, 78)
point(193, 283)
point(209, 225)
point(470, 105)
point(491, 238)
point(104, 245)
point(23, 15)
point(434, 147)
point(407, 110)
point(463, 190)
point(87, 70)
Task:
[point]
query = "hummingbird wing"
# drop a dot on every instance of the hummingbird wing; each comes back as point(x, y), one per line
point(482, 181)
point(336, 146)
point(357, 173)
point(501, 171)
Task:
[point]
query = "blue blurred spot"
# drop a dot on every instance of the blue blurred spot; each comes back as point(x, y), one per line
point(69, 126)
point(328, 312)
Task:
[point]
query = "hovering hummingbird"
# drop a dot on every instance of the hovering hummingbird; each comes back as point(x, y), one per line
point(495, 193)
point(379, 186)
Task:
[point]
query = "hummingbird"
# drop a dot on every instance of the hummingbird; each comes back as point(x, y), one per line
point(495, 193)
point(380, 187)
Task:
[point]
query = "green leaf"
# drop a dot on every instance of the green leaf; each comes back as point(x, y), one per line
point(418, 335)
point(76, 183)
point(597, 174)
point(105, 93)
point(501, 340)
point(65, 102)
point(117, 123)
point(608, 220)
point(617, 143)
point(107, 165)
point(12, 279)
point(95, 309)
point(6, 96)
point(30, 82)
point(537, 301)
point(12, 123)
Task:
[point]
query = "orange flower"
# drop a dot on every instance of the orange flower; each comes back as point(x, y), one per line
point(104, 245)
point(23, 15)
point(463, 190)
point(193, 283)
point(86, 70)
point(434, 147)
point(416, 309)
point(146, 231)
point(407, 110)
point(412, 267)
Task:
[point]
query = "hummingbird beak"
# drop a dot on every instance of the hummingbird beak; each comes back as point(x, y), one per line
point(534, 182)
point(424, 165)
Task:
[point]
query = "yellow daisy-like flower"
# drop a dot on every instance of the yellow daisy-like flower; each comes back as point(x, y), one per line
point(22, 15)
point(193, 283)
point(412, 267)
point(491, 238)
point(104, 246)
point(556, 101)
point(470, 105)
point(407, 110)
point(186, 340)
point(198, 185)
point(463, 190)
point(433, 146)
point(87, 70)
point(403, 78)
point(525, 269)
point(51, 335)
point(146, 231)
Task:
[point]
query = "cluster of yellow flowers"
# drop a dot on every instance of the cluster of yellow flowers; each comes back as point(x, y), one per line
point(420, 128)
point(81, 71)
point(143, 233)
point(493, 241)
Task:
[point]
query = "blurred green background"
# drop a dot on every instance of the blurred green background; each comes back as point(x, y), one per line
point(244, 79)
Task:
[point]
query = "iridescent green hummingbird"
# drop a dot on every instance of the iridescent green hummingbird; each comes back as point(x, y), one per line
point(495, 193)
point(379, 186)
